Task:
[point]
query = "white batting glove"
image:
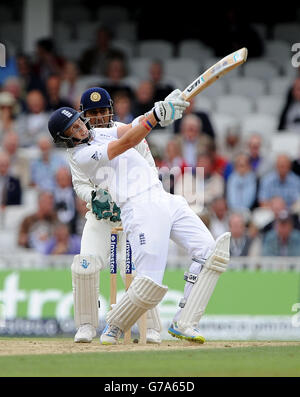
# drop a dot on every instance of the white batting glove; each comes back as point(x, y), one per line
point(177, 104)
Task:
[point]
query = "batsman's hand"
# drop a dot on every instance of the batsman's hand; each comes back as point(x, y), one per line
point(101, 204)
point(174, 104)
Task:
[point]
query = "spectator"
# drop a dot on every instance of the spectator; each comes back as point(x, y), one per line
point(36, 229)
point(19, 164)
point(281, 182)
point(13, 86)
point(8, 111)
point(218, 217)
point(35, 123)
point(162, 85)
point(231, 144)
point(69, 89)
point(54, 101)
point(290, 115)
point(277, 205)
point(48, 62)
point(144, 97)
point(236, 33)
point(94, 60)
point(241, 185)
point(259, 162)
point(207, 127)
point(10, 187)
point(122, 108)
point(63, 243)
point(44, 168)
point(240, 242)
point(219, 163)
point(10, 69)
point(116, 78)
point(192, 140)
point(64, 196)
point(202, 185)
point(283, 240)
point(28, 79)
point(172, 166)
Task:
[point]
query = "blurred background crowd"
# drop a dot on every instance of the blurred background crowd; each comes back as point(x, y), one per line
point(243, 132)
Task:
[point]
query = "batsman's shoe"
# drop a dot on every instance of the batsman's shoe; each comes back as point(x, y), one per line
point(85, 334)
point(110, 335)
point(189, 333)
point(153, 336)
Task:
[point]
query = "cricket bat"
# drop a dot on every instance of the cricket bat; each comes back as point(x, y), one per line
point(215, 72)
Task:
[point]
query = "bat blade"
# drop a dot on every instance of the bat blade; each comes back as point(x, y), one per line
point(222, 67)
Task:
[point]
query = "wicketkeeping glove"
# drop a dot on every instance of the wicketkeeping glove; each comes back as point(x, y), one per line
point(101, 204)
point(116, 213)
point(171, 108)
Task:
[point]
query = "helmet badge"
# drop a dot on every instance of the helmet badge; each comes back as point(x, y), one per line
point(95, 96)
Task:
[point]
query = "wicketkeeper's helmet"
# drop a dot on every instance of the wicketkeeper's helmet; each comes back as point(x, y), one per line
point(95, 98)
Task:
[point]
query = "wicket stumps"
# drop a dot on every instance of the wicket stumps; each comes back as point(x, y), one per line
point(128, 278)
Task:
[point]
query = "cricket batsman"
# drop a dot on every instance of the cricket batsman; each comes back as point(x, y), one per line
point(150, 216)
point(97, 106)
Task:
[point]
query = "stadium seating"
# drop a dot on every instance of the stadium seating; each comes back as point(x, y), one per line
point(222, 122)
point(87, 31)
point(155, 49)
point(287, 31)
point(126, 31)
point(72, 49)
point(194, 49)
point(235, 105)
point(262, 123)
point(286, 142)
point(69, 14)
point(270, 104)
point(185, 70)
point(112, 15)
point(125, 46)
point(203, 103)
point(260, 68)
point(277, 50)
point(247, 86)
point(139, 67)
point(279, 86)
point(216, 90)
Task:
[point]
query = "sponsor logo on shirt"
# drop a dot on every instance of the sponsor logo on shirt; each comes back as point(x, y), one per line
point(95, 156)
point(142, 239)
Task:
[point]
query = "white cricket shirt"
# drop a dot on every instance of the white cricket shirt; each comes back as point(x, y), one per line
point(125, 176)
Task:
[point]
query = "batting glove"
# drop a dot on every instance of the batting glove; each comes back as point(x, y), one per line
point(171, 108)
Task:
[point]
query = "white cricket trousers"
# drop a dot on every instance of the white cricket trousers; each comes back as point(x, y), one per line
point(151, 219)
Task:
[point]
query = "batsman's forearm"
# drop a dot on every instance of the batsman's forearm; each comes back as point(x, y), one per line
point(132, 137)
point(138, 133)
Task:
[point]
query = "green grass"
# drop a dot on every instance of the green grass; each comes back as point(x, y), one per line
point(249, 361)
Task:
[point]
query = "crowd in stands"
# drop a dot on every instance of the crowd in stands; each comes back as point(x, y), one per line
point(241, 188)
